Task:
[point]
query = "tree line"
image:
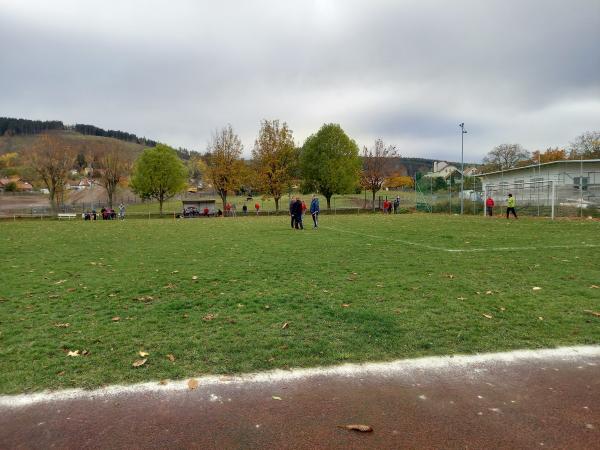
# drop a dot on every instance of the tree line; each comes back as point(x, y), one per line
point(329, 162)
point(509, 156)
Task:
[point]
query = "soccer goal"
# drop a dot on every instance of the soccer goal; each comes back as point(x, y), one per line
point(533, 198)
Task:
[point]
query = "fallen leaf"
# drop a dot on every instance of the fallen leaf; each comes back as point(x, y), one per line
point(357, 427)
point(139, 362)
point(536, 288)
point(71, 290)
point(145, 298)
point(60, 281)
point(192, 384)
point(143, 354)
point(284, 326)
point(85, 353)
point(61, 373)
point(62, 325)
point(593, 313)
point(451, 276)
point(345, 305)
point(175, 271)
point(461, 298)
point(53, 296)
point(502, 308)
point(274, 397)
point(112, 295)
point(487, 316)
point(593, 286)
point(116, 319)
point(209, 317)
point(488, 292)
point(171, 357)
point(163, 382)
point(540, 318)
point(194, 277)
point(73, 353)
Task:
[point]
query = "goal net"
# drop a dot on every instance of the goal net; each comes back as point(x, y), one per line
point(543, 198)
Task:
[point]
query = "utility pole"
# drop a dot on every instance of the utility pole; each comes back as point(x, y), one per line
point(462, 167)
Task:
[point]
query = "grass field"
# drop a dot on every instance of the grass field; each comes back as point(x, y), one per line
point(239, 295)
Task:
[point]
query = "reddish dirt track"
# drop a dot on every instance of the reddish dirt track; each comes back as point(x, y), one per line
point(524, 404)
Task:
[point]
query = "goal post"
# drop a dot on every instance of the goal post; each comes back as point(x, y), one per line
point(532, 198)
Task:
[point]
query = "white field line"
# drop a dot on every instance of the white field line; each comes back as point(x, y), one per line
point(467, 365)
point(466, 250)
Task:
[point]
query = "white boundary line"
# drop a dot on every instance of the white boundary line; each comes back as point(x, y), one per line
point(466, 364)
point(466, 250)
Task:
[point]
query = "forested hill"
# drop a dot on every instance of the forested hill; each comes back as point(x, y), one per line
point(24, 128)
point(10, 126)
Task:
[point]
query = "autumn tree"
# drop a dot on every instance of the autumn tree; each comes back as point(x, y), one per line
point(158, 173)
point(587, 145)
point(51, 159)
point(112, 167)
point(400, 181)
point(329, 162)
point(376, 166)
point(275, 158)
point(504, 156)
point(551, 154)
point(225, 168)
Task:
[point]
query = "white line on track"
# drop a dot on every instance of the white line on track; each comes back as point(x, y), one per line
point(466, 250)
point(465, 365)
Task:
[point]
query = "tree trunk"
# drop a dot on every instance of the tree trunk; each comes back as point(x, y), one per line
point(276, 203)
point(223, 196)
point(53, 206)
point(328, 198)
point(110, 190)
point(161, 199)
point(373, 199)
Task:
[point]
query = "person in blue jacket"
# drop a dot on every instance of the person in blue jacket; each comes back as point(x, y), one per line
point(314, 210)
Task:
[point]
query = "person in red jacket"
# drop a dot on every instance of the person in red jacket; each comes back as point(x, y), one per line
point(257, 207)
point(489, 206)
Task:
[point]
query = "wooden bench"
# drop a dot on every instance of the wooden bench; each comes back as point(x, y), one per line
point(67, 216)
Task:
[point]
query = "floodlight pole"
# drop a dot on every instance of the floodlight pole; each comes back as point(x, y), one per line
point(462, 167)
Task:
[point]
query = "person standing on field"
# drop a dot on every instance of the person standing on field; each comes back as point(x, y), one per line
point(297, 213)
point(510, 206)
point(489, 206)
point(314, 210)
point(397, 205)
point(292, 218)
point(121, 211)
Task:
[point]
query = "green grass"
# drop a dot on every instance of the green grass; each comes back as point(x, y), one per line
point(255, 274)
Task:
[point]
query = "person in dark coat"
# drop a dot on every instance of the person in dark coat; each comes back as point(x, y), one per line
point(297, 213)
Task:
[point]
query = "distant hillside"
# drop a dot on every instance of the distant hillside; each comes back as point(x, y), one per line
point(17, 134)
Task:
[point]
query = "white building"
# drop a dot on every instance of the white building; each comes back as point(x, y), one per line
point(441, 169)
point(575, 181)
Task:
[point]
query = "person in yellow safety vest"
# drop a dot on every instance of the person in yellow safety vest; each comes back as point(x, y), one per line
point(510, 206)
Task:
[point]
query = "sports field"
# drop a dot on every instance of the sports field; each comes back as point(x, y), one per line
point(239, 295)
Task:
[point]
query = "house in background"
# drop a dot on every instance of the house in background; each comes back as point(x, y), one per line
point(21, 185)
point(442, 169)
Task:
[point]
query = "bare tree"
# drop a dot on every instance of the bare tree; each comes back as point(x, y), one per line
point(376, 167)
point(505, 156)
point(112, 166)
point(586, 145)
point(225, 168)
point(52, 158)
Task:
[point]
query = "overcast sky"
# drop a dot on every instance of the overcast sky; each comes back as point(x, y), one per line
point(405, 71)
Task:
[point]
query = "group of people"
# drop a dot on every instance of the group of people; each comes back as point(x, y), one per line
point(298, 209)
point(511, 204)
point(105, 213)
point(388, 205)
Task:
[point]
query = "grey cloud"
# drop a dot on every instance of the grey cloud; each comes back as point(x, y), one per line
point(406, 71)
